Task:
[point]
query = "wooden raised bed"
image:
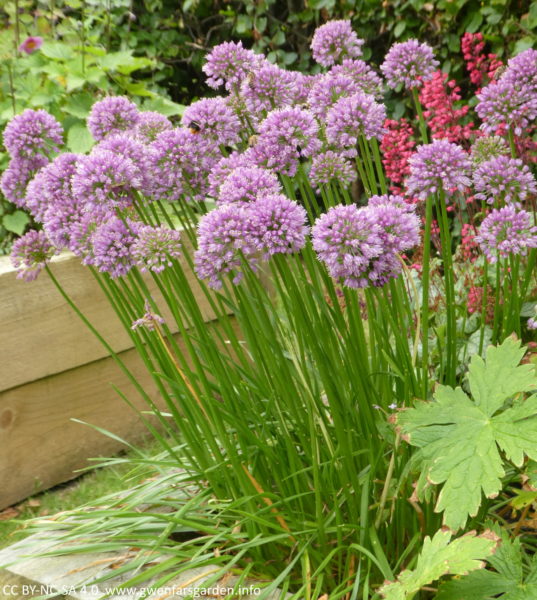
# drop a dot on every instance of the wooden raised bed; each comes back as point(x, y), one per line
point(52, 369)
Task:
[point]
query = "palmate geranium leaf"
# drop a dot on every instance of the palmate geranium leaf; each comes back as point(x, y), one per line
point(510, 580)
point(461, 440)
point(440, 556)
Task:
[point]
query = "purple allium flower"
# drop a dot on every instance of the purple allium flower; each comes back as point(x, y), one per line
point(335, 41)
point(156, 248)
point(181, 162)
point(330, 165)
point(105, 180)
point(112, 243)
point(506, 231)
point(284, 136)
point(531, 323)
point(487, 147)
point(303, 84)
point(79, 229)
point(149, 125)
point(31, 44)
point(125, 146)
point(150, 320)
point(504, 179)
point(17, 176)
point(35, 199)
point(521, 70)
point(356, 115)
point(213, 119)
point(243, 184)
point(327, 90)
point(277, 225)
point(441, 165)
point(409, 63)
point(30, 254)
point(347, 239)
point(114, 114)
point(501, 103)
point(400, 226)
point(229, 64)
point(32, 134)
point(362, 74)
point(225, 166)
point(268, 88)
point(223, 234)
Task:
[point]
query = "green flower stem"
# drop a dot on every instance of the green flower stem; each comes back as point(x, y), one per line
point(484, 303)
point(378, 163)
point(425, 296)
point(366, 157)
point(512, 146)
point(497, 302)
point(421, 121)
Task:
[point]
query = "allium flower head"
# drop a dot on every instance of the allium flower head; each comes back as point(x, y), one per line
point(501, 103)
point(506, 231)
point(347, 239)
point(521, 70)
point(362, 74)
point(214, 120)
point(504, 179)
point(284, 136)
point(400, 226)
point(17, 176)
point(112, 244)
point(222, 236)
point(150, 320)
point(267, 88)
point(329, 166)
point(30, 254)
point(441, 165)
point(487, 147)
point(180, 164)
point(277, 225)
point(31, 44)
point(32, 134)
point(224, 167)
point(334, 41)
point(105, 180)
point(79, 229)
point(229, 64)
point(356, 115)
point(149, 125)
point(128, 147)
point(243, 184)
point(114, 114)
point(409, 63)
point(156, 248)
point(327, 90)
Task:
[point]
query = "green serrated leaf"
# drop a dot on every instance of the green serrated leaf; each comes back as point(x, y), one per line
point(79, 139)
point(460, 439)
point(56, 50)
point(16, 222)
point(440, 556)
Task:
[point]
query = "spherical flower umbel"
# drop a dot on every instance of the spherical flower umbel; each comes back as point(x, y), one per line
point(362, 74)
point(156, 248)
point(507, 231)
point(440, 166)
point(30, 254)
point(487, 147)
point(522, 70)
point(225, 166)
point(409, 63)
point(327, 90)
point(331, 166)
point(356, 115)
point(105, 180)
point(32, 134)
point(243, 184)
point(222, 237)
point(267, 88)
point(400, 226)
point(112, 244)
point(347, 239)
point(334, 41)
point(149, 125)
point(229, 64)
point(114, 114)
point(213, 119)
point(504, 179)
point(17, 176)
point(277, 225)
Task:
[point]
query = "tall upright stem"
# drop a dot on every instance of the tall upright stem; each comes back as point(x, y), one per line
point(425, 295)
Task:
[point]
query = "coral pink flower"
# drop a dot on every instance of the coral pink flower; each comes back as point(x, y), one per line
point(31, 44)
